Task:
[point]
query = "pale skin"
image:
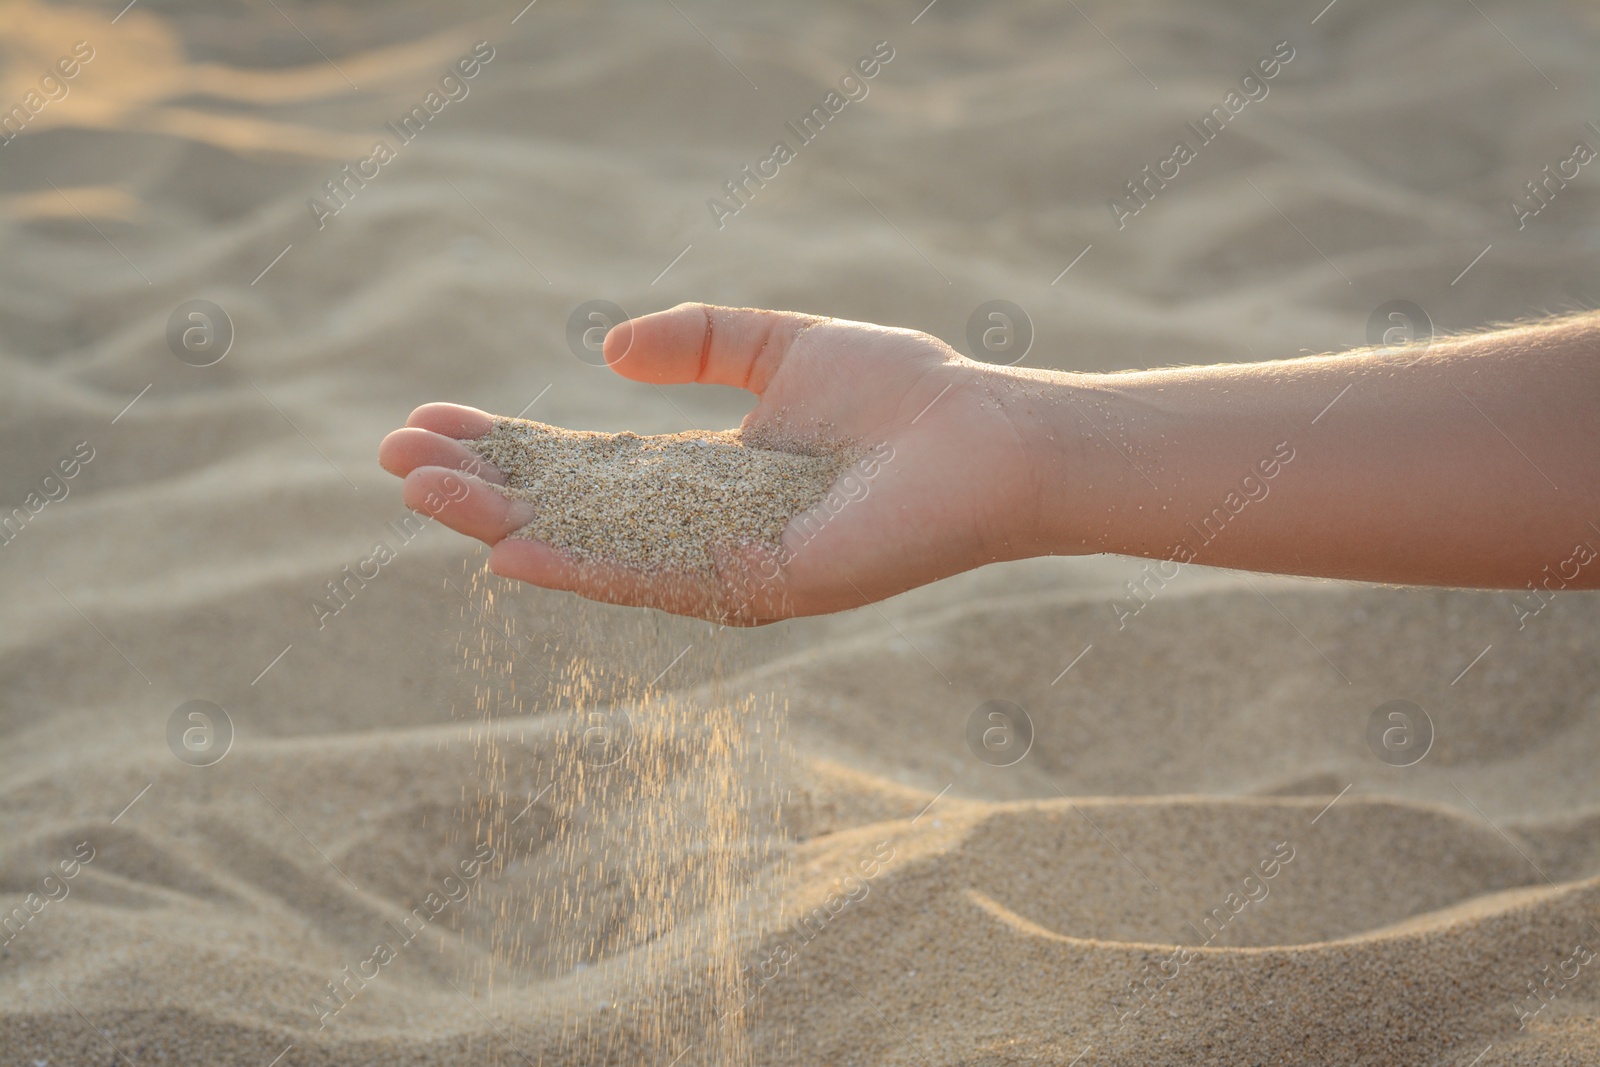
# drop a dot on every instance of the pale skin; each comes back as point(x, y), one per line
point(1472, 463)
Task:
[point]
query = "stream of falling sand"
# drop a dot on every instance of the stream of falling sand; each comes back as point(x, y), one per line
point(636, 842)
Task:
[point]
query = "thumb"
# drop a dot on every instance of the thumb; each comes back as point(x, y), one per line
point(742, 347)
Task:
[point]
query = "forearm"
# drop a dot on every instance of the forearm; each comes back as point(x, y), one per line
point(1475, 463)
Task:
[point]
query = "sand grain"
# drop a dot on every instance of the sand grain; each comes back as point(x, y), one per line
point(657, 503)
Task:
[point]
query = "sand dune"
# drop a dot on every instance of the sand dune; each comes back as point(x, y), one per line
point(783, 849)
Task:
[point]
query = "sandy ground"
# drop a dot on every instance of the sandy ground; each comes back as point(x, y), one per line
point(518, 828)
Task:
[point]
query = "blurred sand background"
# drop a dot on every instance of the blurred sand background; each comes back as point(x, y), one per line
point(753, 777)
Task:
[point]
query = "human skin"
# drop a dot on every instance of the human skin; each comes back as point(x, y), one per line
point(1472, 463)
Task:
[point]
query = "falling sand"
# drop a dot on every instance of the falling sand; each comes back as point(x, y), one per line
point(640, 877)
point(657, 503)
point(632, 862)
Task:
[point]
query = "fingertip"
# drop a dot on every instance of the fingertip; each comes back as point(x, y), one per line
point(390, 453)
point(451, 420)
point(406, 449)
point(664, 346)
point(617, 344)
point(528, 560)
point(741, 347)
point(420, 490)
point(466, 504)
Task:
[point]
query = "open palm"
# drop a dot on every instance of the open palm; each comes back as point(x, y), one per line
point(946, 487)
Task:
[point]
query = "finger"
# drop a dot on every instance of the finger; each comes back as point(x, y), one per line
point(452, 420)
point(403, 451)
point(703, 343)
point(465, 504)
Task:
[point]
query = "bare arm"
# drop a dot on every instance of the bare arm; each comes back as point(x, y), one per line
point(1473, 463)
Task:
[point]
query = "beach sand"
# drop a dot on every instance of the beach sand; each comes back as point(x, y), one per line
point(516, 827)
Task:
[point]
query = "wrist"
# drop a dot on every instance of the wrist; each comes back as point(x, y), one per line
point(1074, 436)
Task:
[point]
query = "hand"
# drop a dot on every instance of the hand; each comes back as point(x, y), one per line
point(954, 487)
